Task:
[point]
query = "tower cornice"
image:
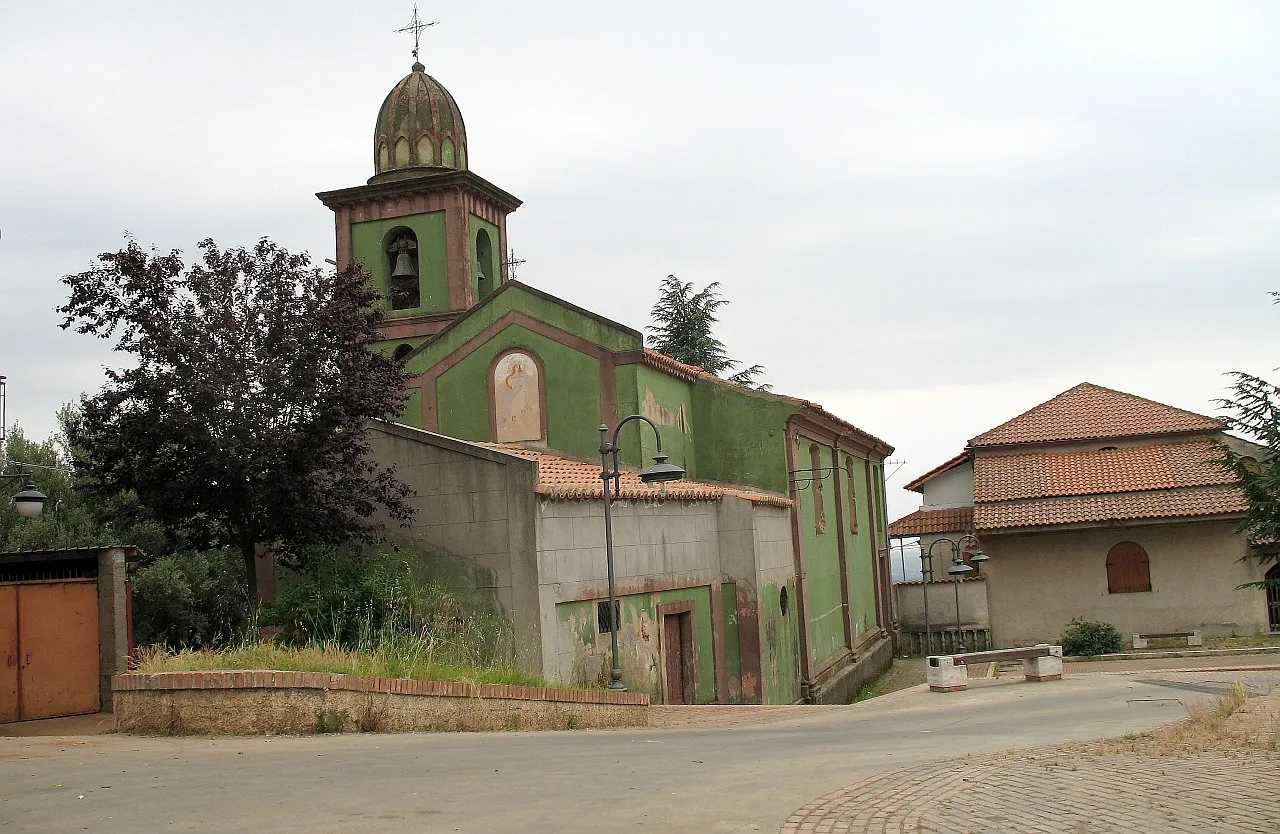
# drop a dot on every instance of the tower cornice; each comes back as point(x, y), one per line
point(462, 182)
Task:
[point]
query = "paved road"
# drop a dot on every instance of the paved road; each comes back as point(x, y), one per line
point(743, 778)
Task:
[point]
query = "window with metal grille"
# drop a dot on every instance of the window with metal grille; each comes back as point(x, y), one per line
point(604, 622)
point(1128, 569)
point(819, 510)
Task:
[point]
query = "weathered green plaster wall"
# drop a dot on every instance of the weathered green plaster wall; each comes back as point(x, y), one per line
point(669, 403)
point(862, 582)
point(411, 414)
point(740, 438)
point(492, 270)
point(781, 649)
point(367, 246)
point(822, 558)
point(732, 646)
point(572, 384)
point(516, 298)
point(639, 641)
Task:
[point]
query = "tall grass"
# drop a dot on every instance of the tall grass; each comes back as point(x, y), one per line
point(378, 614)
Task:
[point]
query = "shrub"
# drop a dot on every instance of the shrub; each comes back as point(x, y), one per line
point(395, 601)
point(1084, 638)
point(191, 600)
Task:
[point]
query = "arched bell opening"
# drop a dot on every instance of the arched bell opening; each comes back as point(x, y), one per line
point(402, 263)
point(486, 270)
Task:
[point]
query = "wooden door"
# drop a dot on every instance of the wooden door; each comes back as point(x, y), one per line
point(9, 653)
point(58, 648)
point(677, 647)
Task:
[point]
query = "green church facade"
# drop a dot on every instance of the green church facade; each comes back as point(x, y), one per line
point(760, 578)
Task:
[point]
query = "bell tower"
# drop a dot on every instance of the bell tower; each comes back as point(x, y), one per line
point(429, 232)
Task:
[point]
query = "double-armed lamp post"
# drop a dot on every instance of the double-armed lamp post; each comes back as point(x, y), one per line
point(660, 472)
point(957, 571)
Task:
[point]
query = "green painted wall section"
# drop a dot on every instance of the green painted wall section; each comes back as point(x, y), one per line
point(516, 298)
point(411, 414)
point(669, 403)
point(572, 384)
point(639, 641)
point(490, 264)
point(368, 246)
point(741, 439)
point(822, 558)
point(781, 649)
point(862, 581)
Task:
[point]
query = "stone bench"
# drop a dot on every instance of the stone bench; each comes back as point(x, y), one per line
point(950, 673)
point(1193, 638)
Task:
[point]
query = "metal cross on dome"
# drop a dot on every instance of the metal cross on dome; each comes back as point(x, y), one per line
point(416, 26)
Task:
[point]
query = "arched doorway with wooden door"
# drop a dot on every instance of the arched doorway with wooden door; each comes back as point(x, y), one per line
point(1273, 598)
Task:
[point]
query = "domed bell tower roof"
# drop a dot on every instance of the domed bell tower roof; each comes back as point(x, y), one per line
point(419, 130)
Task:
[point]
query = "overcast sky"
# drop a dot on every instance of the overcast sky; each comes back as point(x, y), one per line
point(927, 216)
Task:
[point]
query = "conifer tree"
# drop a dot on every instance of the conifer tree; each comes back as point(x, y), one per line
point(684, 321)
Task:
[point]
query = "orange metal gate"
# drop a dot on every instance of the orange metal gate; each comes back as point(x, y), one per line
point(49, 649)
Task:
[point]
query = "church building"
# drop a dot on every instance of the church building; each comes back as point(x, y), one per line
point(761, 577)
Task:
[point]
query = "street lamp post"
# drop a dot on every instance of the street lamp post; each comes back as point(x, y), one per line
point(957, 571)
point(659, 472)
point(29, 502)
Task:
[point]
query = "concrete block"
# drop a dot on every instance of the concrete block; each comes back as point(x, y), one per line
point(1044, 668)
point(1139, 642)
point(943, 674)
point(1195, 639)
point(555, 533)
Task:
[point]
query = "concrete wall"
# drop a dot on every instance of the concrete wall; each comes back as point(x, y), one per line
point(942, 604)
point(779, 632)
point(662, 550)
point(477, 504)
point(1037, 582)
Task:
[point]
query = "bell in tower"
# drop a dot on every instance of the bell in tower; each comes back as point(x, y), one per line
point(403, 256)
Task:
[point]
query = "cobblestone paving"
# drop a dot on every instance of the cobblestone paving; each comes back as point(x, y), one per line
point(1058, 791)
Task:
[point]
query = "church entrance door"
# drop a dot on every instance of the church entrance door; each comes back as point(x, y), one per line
point(1273, 598)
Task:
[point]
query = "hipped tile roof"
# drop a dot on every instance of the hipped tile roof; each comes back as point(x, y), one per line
point(927, 522)
point(1174, 503)
point(566, 479)
point(1090, 411)
point(1133, 469)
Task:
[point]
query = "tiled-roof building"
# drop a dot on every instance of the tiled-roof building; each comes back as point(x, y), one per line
point(1102, 505)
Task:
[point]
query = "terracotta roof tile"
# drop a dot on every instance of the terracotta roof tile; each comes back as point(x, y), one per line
point(915, 485)
point(1090, 411)
point(926, 522)
point(1133, 469)
point(678, 369)
point(565, 479)
point(1171, 503)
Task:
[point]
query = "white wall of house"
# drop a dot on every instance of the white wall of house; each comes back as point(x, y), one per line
point(1037, 582)
point(953, 488)
point(942, 605)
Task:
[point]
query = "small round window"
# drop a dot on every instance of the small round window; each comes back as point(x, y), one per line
point(784, 601)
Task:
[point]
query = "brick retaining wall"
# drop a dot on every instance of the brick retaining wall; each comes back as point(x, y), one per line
point(265, 702)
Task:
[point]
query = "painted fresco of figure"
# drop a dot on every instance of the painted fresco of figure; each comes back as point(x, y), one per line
point(517, 401)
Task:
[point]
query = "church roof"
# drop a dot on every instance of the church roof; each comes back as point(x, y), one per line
point(562, 478)
point(1091, 412)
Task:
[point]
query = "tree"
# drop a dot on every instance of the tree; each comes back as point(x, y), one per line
point(1254, 410)
point(683, 330)
point(240, 420)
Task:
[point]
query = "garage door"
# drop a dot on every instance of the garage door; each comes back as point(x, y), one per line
point(49, 645)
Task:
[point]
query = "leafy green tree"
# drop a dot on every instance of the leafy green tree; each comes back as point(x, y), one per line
point(240, 416)
point(1253, 409)
point(683, 329)
point(68, 519)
